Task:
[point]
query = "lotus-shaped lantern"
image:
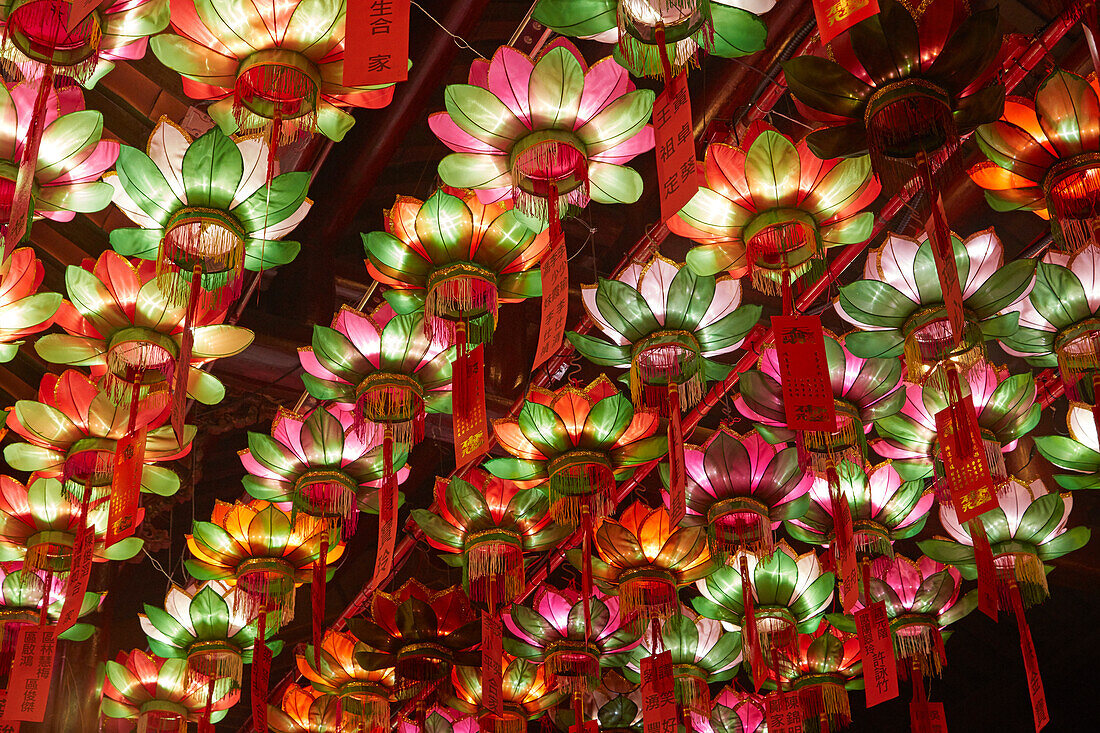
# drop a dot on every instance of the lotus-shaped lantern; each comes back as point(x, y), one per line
point(37, 34)
point(741, 488)
point(702, 653)
point(382, 368)
point(616, 704)
point(581, 439)
point(899, 307)
point(532, 129)
point(256, 548)
point(419, 633)
point(771, 208)
point(489, 523)
point(264, 69)
point(364, 694)
point(904, 83)
point(439, 719)
point(71, 157)
point(318, 464)
point(524, 690)
point(790, 594)
point(644, 560)
point(726, 28)
point(922, 599)
point(200, 624)
point(156, 693)
point(825, 665)
point(1004, 404)
point(118, 324)
point(39, 524)
point(457, 258)
point(21, 597)
point(553, 633)
point(72, 430)
point(23, 310)
point(864, 390)
point(735, 711)
point(884, 508)
point(1078, 453)
point(1044, 157)
point(303, 710)
point(1028, 529)
point(201, 204)
point(665, 324)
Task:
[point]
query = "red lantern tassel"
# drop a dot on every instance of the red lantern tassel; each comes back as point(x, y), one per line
point(677, 477)
point(205, 726)
point(586, 567)
point(261, 672)
point(183, 361)
point(1096, 401)
point(752, 634)
point(317, 590)
point(20, 215)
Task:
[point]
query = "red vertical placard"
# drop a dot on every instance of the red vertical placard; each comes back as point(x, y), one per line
point(677, 171)
point(927, 717)
point(261, 674)
point(677, 486)
point(76, 585)
point(844, 547)
point(880, 668)
point(376, 46)
point(783, 712)
point(470, 432)
point(964, 464)
point(1031, 662)
point(125, 486)
point(658, 695)
point(836, 16)
point(387, 532)
point(554, 270)
point(32, 667)
point(987, 572)
point(939, 237)
point(492, 654)
point(807, 391)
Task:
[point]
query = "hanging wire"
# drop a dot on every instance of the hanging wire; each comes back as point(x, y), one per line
point(459, 40)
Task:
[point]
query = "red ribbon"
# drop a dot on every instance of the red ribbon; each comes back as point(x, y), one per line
point(261, 672)
point(317, 591)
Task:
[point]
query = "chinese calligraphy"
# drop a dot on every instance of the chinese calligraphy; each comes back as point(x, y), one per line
point(125, 486)
point(492, 653)
point(555, 300)
point(880, 669)
point(836, 16)
point(377, 43)
point(677, 170)
point(32, 668)
point(807, 391)
point(658, 695)
point(470, 421)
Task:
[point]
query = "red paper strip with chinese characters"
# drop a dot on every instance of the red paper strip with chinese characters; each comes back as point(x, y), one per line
point(964, 464)
point(927, 717)
point(387, 532)
point(554, 271)
point(783, 711)
point(836, 16)
point(658, 697)
point(844, 547)
point(677, 477)
point(470, 432)
point(880, 668)
point(376, 47)
point(492, 655)
point(76, 585)
point(125, 486)
point(677, 171)
point(987, 573)
point(807, 391)
point(261, 674)
point(29, 683)
point(1031, 662)
point(939, 236)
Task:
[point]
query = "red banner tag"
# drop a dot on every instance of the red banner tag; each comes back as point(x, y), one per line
point(554, 270)
point(927, 717)
point(658, 696)
point(677, 170)
point(751, 633)
point(470, 432)
point(964, 464)
point(492, 652)
point(783, 712)
point(32, 667)
point(76, 585)
point(880, 668)
point(587, 543)
point(807, 391)
point(1031, 663)
point(939, 237)
point(844, 547)
point(387, 532)
point(836, 16)
point(987, 573)
point(19, 219)
point(6, 726)
point(126, 486)
point(376, 45)
point(677, 495)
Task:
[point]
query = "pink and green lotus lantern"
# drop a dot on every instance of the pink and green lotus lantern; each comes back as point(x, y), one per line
point(201, 624)
point(665, 324)
point(280, 73)
point(320, 465)
point(255, 548)
point(39, 525)
point(119, 325)
point(1044, 157)
point(23, 310)
point(740, 488)
point(22, 593)
point(72, 430)
point(363, 694)
point(420, 634)
point(644, 560)
point(616, 704)
point(581, 440)
point(864, 390)
point(702, 653)
point(457, 258)
point(922, 599)
point(1005, 407)
point(553, 633)
point(790, 595)
point(771, 208)
point(70, 159)
point(547, 132)
point(438, 719)
point(38, 34)
point(486, 525)
point(900, 309)
point(303, 710)
point(884, 508)
point(381, 368)
point(524, 689)
point(156, 693)
point(824, 666)
point(1079, 453)
point(726, 28)
point(204, 213)
point(1026, 531)
point(735, 711)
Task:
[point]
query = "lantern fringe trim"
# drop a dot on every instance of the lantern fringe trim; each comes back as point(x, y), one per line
point(96, 467)
point(135, 358)
point(829, 698)
point(372, 712)
point(324, 505)
point(399, 407)
point(260, 593)
point(692, 692)
point(1072, 202)
point(281, 83)
point(473, 300)
point(210, 244)
point(929, 346)
point(220, 663)
point(572, 671)
point(644, 58)
point(539, 161)
point(662, 364)
point(647, 597)
point(917, 642)
point(17, 65)
point(901, 114)
point(1026, 570)
point(577, 483)
point(495, 566)
point(741, 530)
